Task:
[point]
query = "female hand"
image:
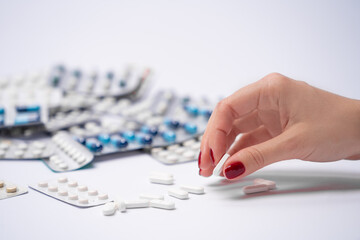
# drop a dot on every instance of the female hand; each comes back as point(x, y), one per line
point(279, 118)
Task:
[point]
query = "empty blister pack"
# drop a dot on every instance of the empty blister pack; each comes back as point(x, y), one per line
point(8, 189)
point(25, 149)
point(68, 154)
point(71, 192)
point(178, 153)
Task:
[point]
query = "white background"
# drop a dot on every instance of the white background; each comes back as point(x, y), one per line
point(204, 48)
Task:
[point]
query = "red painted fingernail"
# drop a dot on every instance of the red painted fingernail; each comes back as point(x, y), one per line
point(200, 171)
point(212, 156)
point(234, 170)
point(199, 160)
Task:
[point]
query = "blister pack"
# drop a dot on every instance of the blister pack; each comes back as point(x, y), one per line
point(71, 192)
point(25, 149)
point(8, 190)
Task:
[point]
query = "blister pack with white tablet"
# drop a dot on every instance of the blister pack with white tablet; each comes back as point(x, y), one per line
point(71, 192)
point(178, 153)
point(25, 149)
point(8, 190)
point(127, 83)
point(68, 154)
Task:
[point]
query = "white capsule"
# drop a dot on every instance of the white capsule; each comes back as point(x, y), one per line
point(163, 204)
point(141, 203)
point(151, 196)
point(270, 184)
point(193, 189)
point(80, 159)
point(255, 188)
point(109, 209)
point(178, 193)
point(218, 169)
point(161, 179)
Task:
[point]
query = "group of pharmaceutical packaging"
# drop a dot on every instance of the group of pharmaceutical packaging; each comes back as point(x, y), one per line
point(69, 118)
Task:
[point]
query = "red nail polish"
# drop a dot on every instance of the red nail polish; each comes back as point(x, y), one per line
point(199, 160)
point(200, 171)
point(234, 170)
point(212, 156)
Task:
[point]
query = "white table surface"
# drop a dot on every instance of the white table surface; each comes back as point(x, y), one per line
point(203, 48)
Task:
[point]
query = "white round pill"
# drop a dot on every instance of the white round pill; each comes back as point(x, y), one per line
point(73, 196)
point(63, 166)
point(180, 150)
point(42, 184)
point(173, 147)
point(72, 184)
point(156, 150)
point(52, 188)
point(4, 146)
point(195, 146)
point(2, 153)
point(39, 145)
point(82, 188)
point(53, 158)
point(22, 146)
point(19, 153)
point(37, 153)
point(62, 192)
point(189, 155)
point(103, 196)
point(163, 153)
point(62, 179)
point(81, 159)
point(83, 201)
point(109, 209)
point(172, 158)
point(93, 192)
point(188, 143)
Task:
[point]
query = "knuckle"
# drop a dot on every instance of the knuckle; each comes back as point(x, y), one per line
point(224, 106)
point(255, 156)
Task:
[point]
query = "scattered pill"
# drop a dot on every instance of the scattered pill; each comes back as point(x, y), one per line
point(161, 179)
point(151, 196)
point(178, 193)
point(163, 204)
point(109, 209)
point(193, 189)
point(270, 184)
point(141, 203)
point(255, 188)
point(218, 169)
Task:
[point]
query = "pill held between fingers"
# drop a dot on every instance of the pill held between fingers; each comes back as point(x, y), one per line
point(218, 169)
point(271, 184)
point(178, 193)
point(151, 196)
point(11, 189)
point(193, 189)
point(163, 204)
point(256, 188)
point(161, 179)
point(109, 209)
point(141, 203)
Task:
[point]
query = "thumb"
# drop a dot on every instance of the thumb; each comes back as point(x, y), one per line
point(253, 158)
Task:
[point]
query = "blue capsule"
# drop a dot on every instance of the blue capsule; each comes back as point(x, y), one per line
point(94, 145)
point(192, 110)
point(28, 108)
point(129, 135)
point(149, 130)
point(122, 83)
point(80, 140)
point(144, 139)
point(110, 75)
point(206, 113)
point(104, 138)
point(118, 141)
point(173, 124)
point(169, 136)
point(190, 128)
point(2, 111)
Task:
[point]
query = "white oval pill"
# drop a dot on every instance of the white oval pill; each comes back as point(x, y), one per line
point(109, 209)
point(195, 146)
point(163, 204)
point(255, 188)
point(161, 179)
point(83, 201)
point(63, 166)
point(193, 189)
point(42, 184)
point(62, 192)
point(82, 188)
point(81, 159)
point(73, 196)
point(163, 153)
point(120, 204)
point(62, 179)
point(4, 146)
point(172, 158)
point(52, 188)
point(103, 196)
point(72, 184)
point(93, 192)
point(178, 193)
point(156, 150)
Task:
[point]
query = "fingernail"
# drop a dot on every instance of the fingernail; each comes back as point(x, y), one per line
point(234, 170)
point(212, 156)
point(199, 160)
point(200, 171)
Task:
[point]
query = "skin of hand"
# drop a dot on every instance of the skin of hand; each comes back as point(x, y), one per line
point(279, 119)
